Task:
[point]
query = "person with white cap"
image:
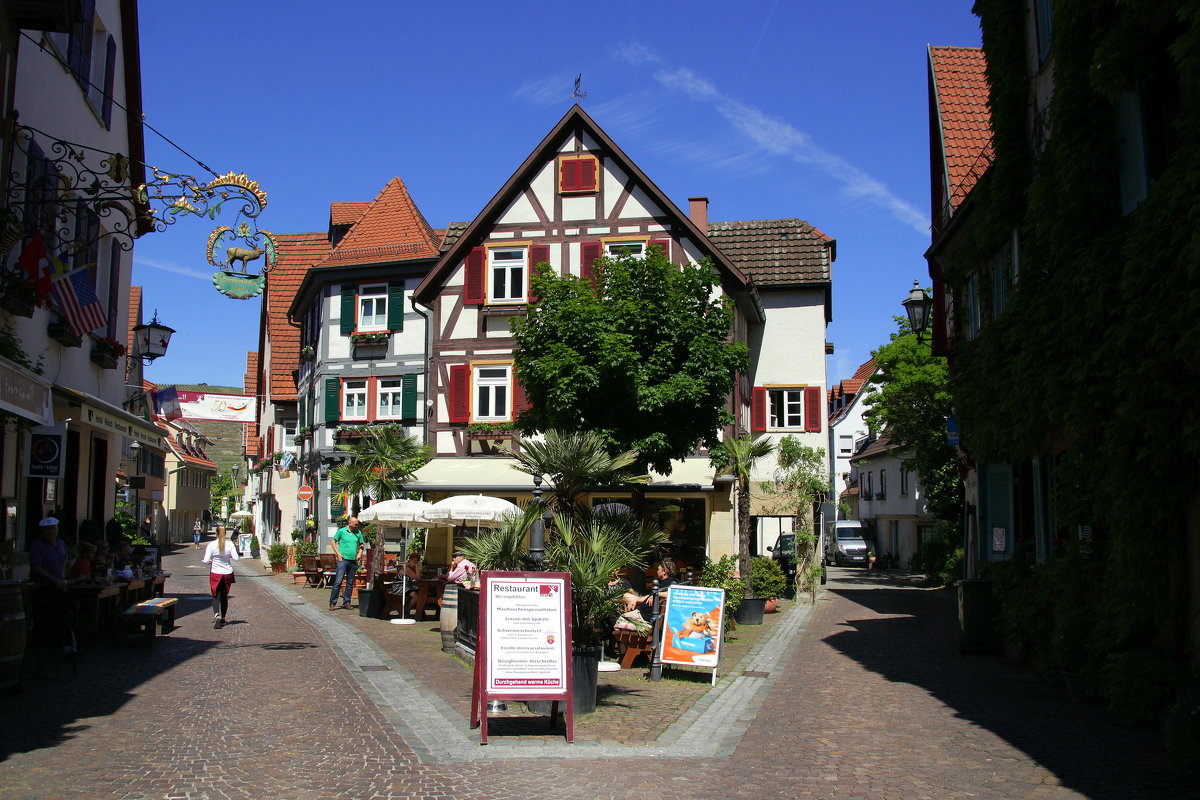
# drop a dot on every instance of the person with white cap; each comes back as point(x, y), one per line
point(47, 565)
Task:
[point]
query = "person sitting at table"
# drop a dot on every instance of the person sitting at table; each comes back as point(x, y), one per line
point(81, 567)
point(460, 568)
point(47, 567)
point(122, 558)
point(664, 572)
point(406, 577)
point(101, 559)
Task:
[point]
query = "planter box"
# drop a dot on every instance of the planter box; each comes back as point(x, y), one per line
point(104, 360)
point(370, 350)
point(17, 300)
point(61, 332)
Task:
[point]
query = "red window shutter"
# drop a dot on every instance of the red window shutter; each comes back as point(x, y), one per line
point(473, 290)
point(520, 400)
point(585, 174)
point(758, 409)
point(665, 244)
point(590, 252)
point(537, 254)
point(812, 408)
point(270, 440)
point(460, 393)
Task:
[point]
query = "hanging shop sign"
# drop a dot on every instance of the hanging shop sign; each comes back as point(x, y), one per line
point(47, 451)
point(24, 395)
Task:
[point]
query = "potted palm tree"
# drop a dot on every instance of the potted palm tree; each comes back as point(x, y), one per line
point(736, 457)
point(379, 465)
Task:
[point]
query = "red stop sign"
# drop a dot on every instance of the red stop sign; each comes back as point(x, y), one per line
point(305, 492)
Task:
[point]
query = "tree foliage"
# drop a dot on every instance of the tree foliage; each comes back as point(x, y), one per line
point(738, 457)
point(639, 354)
point(909, 395)
point(575, 463)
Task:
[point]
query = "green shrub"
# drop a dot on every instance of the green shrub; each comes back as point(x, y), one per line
point(277, 553)
point(720, 574)
point(766, 577)
point(1140, 685)
point(942, 554)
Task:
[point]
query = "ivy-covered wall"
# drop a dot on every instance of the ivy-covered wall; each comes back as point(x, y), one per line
point(1094, 359)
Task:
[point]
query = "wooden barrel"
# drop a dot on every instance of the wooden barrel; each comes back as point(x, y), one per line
point(448, 618)
point(12, 635)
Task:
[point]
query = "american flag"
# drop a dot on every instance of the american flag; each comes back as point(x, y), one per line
point(76, 298)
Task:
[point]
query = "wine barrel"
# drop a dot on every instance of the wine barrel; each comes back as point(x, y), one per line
point(12, 635)
point(448, 618)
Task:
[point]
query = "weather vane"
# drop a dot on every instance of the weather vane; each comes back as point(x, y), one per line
point(578, 94)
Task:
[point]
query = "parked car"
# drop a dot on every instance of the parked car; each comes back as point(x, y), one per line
point(784, 553)
point(846, 542)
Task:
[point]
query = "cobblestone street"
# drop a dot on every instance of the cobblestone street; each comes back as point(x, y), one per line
point(863, 696)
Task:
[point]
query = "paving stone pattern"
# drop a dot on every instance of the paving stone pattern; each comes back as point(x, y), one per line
point(863, 696)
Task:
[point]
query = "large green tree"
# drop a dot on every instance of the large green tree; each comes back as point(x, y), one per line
point(909, 395)
point(639, 353)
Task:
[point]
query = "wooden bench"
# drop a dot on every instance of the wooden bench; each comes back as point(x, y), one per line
point(635, 644)
point(146, 615)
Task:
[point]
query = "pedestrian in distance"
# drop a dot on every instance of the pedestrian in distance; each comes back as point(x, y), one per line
point(196, 530)
point(220, 555)
point(348, 544)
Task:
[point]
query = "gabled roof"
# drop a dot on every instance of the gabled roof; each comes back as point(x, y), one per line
point(297, 253)
point(575, 118)
point(850, 388)
point(960, 89)
point(776, 252)
point(390, 228)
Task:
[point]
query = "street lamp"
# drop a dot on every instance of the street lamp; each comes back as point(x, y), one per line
point(918, 305)
point(151, 339)
point(537, 531)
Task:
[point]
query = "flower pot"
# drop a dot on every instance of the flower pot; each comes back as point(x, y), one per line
point(750, 612)
point(585, 661)
point(772, 605)
point(277, 567)
point(370, 603)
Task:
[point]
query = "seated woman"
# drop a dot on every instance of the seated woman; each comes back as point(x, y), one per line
point(406, 577)
point(101, 559)
point(81, 567)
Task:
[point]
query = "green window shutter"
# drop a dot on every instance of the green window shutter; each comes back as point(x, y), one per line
point(998, 485)
point(395, 309)
point(333, 397)
point(408, 397)
point(336, 506)
point(349, 318)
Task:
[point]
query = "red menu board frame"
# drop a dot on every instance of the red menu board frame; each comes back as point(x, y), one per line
point(534, 609)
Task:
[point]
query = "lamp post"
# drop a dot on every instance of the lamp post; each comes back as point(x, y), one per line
point(151, 339)
point(136, 479)
point(918, 305)
point(537, 531)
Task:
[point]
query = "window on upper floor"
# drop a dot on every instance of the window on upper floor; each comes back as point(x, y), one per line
point(845, 445)
point(883, 484)
point(91, 54)
point(396, 398)
point(372, 307)
point(971, 307)
point(354, 399)
point(289, 433)
point(904, 483)
point(1004, 275)
point(492, 393)
point(868, 487)
point(578, 174)
point(507, 274)
point(786, 408)
point(614, 248)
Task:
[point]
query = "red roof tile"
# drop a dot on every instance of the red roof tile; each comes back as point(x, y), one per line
point(135, 310)
point(391, 229)
point(961, 92)
point(347, 213)
point(250, 379)
point(297, 253)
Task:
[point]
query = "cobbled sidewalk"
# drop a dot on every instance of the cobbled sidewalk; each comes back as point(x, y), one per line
point(863, 696)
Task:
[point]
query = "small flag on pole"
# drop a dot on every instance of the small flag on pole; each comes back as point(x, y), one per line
point(167, 403)
point(76, 298)
point(36, 263)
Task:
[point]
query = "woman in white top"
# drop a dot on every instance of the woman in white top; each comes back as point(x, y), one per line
point(220, 555)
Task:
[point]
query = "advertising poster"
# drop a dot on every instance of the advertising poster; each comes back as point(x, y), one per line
point(528, 643)
point(224, 407)
point(692, 626)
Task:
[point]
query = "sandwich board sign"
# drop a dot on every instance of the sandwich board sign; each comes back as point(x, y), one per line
point(523, 650)
point(693, 623)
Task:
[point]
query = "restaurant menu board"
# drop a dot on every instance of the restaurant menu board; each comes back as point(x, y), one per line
point(693, 624)
point(527, 636)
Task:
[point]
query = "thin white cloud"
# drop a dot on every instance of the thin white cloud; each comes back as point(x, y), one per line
point(547, 91)
point(167, 266)
point(774, 136)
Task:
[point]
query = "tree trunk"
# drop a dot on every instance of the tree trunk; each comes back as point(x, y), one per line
point(743, 511)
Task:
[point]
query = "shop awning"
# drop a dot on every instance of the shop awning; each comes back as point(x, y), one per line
point(104, 415)
point(467, 474)
point(690, 474)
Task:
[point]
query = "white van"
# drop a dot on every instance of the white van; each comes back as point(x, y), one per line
point(845, 542)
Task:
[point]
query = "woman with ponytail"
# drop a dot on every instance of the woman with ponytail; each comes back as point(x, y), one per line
point(220, 555)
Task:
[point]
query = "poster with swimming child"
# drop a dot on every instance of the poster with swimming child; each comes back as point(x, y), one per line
point(693, 623)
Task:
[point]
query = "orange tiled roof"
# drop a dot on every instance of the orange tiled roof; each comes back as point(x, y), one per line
point(961, 92)
point(250, 379)
point(347, 213)
point(135, 311)
point(391, 229)
point(189, 455)
point(298, 252)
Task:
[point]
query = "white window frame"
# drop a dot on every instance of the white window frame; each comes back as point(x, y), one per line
point(395, 395)
point(490, 390)
point(615, 248)
point(778, 404)
point(845, 444)
point(513, 272)
point(356, 388)
point(288, 427)
point(371, 307)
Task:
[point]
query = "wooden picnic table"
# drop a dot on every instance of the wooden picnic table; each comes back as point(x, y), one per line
point(96, 603)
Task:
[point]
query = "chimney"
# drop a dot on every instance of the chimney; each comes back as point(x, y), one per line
point(698, 211)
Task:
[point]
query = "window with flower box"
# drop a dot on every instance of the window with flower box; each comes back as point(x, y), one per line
point(368, 399)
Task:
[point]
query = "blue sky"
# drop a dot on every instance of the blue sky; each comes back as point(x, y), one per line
point(808, 108)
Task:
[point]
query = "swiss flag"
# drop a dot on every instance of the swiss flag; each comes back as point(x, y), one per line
point(36, 263)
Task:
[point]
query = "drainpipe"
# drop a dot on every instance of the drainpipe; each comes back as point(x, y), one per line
point(428, 369)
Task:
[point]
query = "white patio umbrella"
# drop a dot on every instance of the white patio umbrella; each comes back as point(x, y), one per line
point(471, 509)
point(240, 514)
point(397, 513)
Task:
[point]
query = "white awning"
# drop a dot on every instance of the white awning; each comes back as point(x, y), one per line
point(107, 417)
point(696, 474)
point(454, 474)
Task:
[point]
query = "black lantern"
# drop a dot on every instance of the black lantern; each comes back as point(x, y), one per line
point(918, 305)
point(152, 339)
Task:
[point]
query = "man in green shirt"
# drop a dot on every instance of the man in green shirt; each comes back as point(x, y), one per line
point(348, 544)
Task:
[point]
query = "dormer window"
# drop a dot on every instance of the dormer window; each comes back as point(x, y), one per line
point(372, 307)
